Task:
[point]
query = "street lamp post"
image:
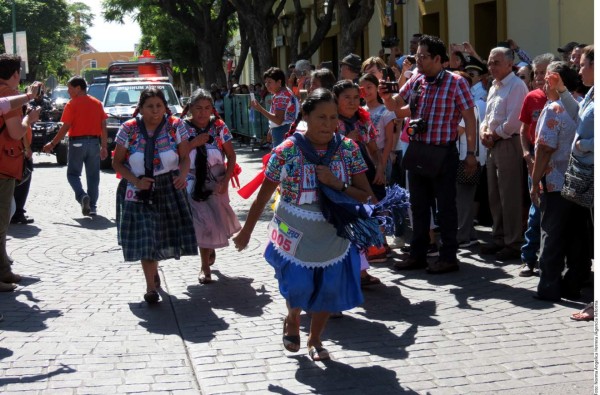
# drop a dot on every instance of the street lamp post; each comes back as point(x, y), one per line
point(14, 26)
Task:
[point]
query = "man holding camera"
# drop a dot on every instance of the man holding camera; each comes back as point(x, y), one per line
point(13, 127)
point(437, 100)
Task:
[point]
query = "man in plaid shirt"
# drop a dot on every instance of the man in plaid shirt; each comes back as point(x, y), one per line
point(440, 99)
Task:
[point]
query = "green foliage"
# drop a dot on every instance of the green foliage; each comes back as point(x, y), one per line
point(50, 33)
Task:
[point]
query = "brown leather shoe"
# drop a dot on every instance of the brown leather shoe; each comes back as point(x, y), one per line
point(410, 264)
point(10, 278)
point(7, 287)
point(440, 267)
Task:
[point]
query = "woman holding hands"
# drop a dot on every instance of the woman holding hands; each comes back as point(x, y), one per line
point(155, 221)
point(318, 271)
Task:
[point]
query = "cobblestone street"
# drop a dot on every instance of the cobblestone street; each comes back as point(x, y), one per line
point(77, 323)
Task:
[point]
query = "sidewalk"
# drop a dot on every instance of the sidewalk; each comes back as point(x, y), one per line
point(78, 324)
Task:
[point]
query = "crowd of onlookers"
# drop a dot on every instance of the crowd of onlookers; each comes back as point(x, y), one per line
point(520, 165)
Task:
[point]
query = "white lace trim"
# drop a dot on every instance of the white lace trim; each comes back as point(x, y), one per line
point(301, 213)
point(312, 265)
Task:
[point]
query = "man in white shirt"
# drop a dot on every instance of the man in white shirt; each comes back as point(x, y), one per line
point(500, 134)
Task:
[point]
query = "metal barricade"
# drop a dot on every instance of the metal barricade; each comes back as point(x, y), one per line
point(245, 121)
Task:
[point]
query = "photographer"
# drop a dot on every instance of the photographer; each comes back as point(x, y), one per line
point(13, 126)
point(436, 101)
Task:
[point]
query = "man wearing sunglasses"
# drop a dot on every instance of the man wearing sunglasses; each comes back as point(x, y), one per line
point(476, 71)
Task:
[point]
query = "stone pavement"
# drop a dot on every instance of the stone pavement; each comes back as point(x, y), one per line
point(77, 323)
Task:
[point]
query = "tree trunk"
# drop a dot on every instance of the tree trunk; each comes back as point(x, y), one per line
point(323, 25)
point(210, 33)
point(257, 19)
point(354, 18)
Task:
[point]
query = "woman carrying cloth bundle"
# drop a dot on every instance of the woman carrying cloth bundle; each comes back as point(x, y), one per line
point(154, 221)
point(318, 270)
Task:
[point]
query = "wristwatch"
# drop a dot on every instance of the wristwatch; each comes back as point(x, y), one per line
point(471, 153)
point(344, 187)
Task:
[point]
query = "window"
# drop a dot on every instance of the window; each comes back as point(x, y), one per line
point(93, 64)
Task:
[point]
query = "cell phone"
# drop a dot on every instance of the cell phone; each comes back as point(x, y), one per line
point(39, 91)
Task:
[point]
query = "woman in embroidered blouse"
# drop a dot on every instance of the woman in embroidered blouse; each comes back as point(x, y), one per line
point(317, 270)
point(214, 219)
point(155, 221)
point(284, 105)
point(355, 123)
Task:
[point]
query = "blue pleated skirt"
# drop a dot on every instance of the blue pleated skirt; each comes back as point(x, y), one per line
point(323, 273)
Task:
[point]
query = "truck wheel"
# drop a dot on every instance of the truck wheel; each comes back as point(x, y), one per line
point(62, 153)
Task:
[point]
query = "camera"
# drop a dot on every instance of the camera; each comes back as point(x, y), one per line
point(416, 126)
point(389, 42)
point(411, 59)
point(390, 86)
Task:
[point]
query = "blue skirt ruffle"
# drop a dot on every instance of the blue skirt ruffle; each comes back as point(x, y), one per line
point(331, 288)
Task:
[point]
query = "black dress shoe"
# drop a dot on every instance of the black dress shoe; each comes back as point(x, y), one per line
point(23, 220)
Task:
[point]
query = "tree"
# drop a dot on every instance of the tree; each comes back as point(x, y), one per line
point(354, 16)
point(208, 21)
point(48, 34)
point(257, 19)
point(323, 24)
point(81, 18)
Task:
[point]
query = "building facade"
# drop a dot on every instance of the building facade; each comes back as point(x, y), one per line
point(537, 26)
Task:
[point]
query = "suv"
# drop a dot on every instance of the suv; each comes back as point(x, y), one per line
point(125, 83)
point(97, 88)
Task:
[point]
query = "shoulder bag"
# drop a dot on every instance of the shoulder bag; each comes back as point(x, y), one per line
point(579, 183)
point(11, 155)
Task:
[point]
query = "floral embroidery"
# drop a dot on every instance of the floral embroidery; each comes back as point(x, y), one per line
point(298, 177)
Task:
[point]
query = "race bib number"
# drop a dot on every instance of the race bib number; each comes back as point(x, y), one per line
point(283, 236)
point(131, 193)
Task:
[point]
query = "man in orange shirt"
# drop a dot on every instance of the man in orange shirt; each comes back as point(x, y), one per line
point(15, 125)
point(85, 120)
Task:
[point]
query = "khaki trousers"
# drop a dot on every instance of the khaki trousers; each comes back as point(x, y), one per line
point(505, 180)
point(7, 189)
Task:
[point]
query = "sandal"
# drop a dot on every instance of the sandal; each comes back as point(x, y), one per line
point(203, 279)
point(151, 297)
point(290, 342)
point(212, 257)
point(318, 353)
point(586, 314)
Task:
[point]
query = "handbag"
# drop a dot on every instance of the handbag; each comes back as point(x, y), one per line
point(11, 155)
point(424, 159)
point(579, 183)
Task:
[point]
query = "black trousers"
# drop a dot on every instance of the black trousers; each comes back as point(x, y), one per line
point(443, 189)
point(566, 238)
point(21, 194)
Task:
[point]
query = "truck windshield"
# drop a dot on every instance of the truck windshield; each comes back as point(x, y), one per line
point(129, 95)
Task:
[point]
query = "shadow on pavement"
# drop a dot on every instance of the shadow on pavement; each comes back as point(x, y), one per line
point(162, 318)
point(21, 317)
point(5, 353)
point(332, 377)
point(64, 369)
point(248, 301)
point(23, 231)
point(97, 222)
